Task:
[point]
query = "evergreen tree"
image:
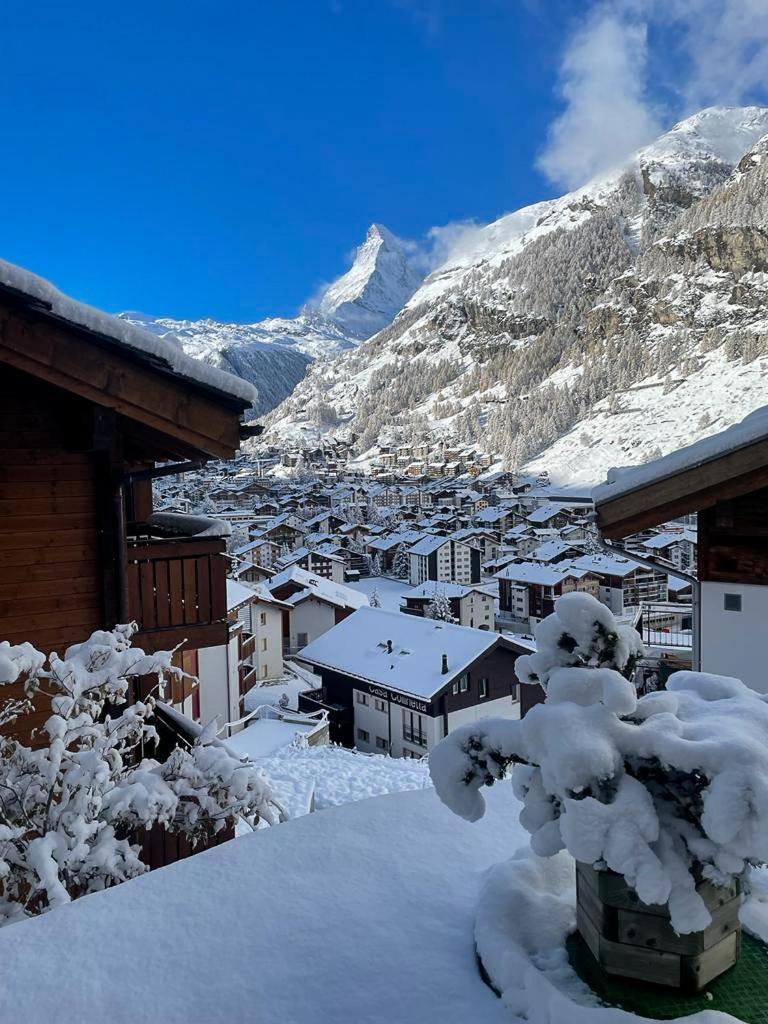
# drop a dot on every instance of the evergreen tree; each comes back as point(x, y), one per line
point(439, 607)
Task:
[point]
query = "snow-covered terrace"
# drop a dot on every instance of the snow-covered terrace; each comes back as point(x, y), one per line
point(246, 933)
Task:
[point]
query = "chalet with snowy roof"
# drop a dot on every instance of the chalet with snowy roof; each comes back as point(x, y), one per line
point(624, 584)
point(528, 591)
point(93, 410)
point(321, 563)
point(444, 560)
point(675, 546)
point(285, 529)
point(469, 606)
point(553, 551)
point(723, 478)
point(398, 684)
point(316, 604)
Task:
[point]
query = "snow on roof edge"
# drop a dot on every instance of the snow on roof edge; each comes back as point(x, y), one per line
point(123, 333)
point(626, 479)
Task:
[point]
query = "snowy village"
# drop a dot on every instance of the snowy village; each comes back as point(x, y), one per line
point(382, 614)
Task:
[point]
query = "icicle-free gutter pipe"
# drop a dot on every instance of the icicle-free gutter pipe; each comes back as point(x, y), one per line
point(695, 590)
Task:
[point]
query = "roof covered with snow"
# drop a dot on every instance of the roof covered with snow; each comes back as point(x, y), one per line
point(358, 647)
point(166, 353)
point(318, 587)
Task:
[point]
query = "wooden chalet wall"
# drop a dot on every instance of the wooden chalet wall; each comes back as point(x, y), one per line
point(50, 579)
point(733, 540)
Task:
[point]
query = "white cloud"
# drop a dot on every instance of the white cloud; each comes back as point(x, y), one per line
point(607, 114)
point(726, 44)
point(711, 52)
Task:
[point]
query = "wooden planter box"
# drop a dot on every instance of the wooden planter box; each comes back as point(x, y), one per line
point(630, 939)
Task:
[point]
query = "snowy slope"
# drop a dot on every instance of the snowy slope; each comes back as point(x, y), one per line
point(273, 354)
point(537, 319)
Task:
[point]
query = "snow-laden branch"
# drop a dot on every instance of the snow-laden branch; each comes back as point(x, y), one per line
point(665, 790)
point(68, 809)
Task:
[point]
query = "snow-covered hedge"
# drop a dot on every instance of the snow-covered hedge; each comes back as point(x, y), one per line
point(666, 789)
point(67, 808)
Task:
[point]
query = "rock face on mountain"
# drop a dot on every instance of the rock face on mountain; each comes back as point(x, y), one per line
point(273, 354)
point(620, 321)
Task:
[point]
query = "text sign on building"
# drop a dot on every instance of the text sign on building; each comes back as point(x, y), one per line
point(399, 698)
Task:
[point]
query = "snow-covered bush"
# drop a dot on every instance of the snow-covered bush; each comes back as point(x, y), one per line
point(439, 607)
point(68, 808)
point(666, 790)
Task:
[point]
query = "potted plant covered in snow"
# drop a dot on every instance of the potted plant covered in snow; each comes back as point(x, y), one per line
point(662, 800)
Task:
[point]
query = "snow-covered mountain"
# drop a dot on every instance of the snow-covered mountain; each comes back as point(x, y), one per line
point(374, 289)
point(624, 319)
point(273, 354)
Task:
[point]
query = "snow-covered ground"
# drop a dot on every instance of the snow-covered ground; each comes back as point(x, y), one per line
point(270, 692)
point(389, 590)
point(363, 914)
point(338, 776)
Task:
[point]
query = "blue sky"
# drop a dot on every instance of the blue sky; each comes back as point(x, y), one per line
point(223, 158)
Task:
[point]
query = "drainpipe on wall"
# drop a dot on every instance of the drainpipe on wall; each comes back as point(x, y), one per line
point(695, 590)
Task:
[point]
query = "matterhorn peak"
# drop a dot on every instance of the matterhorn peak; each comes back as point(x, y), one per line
point(375, 288)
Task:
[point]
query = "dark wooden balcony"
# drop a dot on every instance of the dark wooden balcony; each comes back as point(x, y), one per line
point(248, 647)
point(176, 588)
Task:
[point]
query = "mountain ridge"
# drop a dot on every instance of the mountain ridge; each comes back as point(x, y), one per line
point(521, 334)
point(273, 354)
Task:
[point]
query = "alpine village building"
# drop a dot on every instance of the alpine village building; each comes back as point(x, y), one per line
point(723, 478)
point(92, 410)
point(397, 684)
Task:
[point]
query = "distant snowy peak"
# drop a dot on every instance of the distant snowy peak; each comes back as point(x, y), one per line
point(375, 288)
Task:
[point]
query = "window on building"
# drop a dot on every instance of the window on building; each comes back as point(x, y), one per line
point(362, 698)
point(379, 705)
point(414, 728)
point(381, 743)
point(732, 602)
point(263, 643)
point(302, 639)
point(265, 672)
point(455, 688)
point(263, 618)
point(483, 689)
point(363, 735)
point(463, 683)
point(515, 691)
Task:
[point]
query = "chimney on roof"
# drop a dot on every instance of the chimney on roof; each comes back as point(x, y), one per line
point(445, 665)
point(389, 646)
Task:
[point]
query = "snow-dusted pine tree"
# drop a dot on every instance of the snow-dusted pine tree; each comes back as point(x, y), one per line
point(439, 607)
point(401, 563)
point(374, 600)
point(67, 809)
point(377, 565)
point(667, 790)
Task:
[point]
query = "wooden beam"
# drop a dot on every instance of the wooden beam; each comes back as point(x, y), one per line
point(692, 490)
point(111, 378)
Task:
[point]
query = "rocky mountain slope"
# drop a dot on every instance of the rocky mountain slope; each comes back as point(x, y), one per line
point(273, 354)
point(620, 321)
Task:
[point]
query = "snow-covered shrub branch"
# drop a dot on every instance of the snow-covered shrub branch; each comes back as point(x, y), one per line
point(68, 808)
point(667, 789)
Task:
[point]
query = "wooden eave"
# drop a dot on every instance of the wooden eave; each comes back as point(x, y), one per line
point(692, 490)
point(102, 371)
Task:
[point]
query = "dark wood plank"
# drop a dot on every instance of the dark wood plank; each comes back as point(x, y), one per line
point(189, 574)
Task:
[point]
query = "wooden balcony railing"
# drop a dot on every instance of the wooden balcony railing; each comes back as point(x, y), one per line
point(248, 679)
point(177, 590)
point(249, 646)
